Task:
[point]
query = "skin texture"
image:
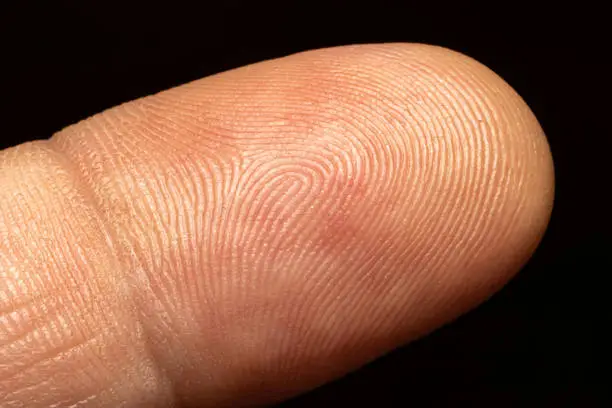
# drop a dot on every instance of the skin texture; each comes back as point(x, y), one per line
point(249, 236)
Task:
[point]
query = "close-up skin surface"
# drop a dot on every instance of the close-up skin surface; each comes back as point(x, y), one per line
point(246, 237)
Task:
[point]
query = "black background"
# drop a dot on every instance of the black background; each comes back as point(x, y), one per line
point(539, 341)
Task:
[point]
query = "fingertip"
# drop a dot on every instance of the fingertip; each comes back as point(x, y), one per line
point(295, 219)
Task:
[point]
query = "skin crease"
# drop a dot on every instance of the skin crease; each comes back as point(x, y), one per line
point(249, 236)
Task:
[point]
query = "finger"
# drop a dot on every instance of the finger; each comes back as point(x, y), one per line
point(254, 234)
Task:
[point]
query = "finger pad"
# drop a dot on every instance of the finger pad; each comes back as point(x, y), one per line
point(365, 195)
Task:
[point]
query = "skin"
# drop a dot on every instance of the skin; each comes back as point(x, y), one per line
point(249, 236)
